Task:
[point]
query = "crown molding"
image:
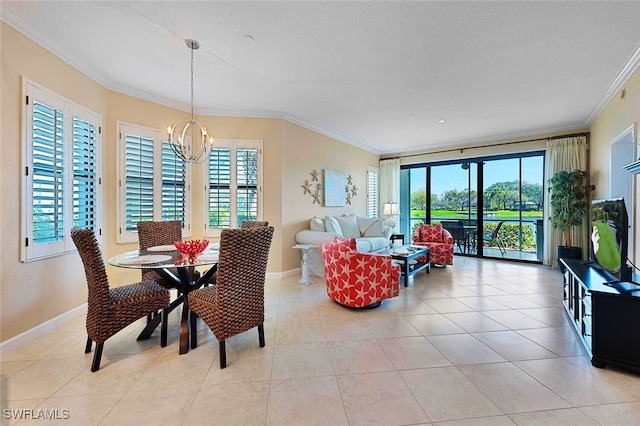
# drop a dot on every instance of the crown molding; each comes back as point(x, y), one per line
point(305, 124)
point(616, 85)
point(9, 16)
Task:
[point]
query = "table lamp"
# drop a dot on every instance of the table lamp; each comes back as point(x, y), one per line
point(390, 210)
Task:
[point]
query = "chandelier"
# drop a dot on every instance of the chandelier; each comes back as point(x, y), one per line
point(186, 135)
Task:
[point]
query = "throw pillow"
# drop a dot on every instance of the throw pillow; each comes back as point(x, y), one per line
point(317, 224)
point(347, 242)
point(349, 226)
point(332, 225)
point(371, 227)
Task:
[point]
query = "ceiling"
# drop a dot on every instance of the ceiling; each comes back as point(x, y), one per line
point(379, 75)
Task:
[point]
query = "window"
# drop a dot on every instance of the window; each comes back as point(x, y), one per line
point(61, 172)
point(234, 185)
point(154, 183)
point(372, 191)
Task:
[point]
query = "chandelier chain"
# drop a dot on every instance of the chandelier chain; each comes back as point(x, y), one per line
point(192, 49)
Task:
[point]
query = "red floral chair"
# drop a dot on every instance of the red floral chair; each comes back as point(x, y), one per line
point(439, 241)
point(357, 279)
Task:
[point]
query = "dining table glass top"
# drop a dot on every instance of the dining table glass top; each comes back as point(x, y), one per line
point(163, 257)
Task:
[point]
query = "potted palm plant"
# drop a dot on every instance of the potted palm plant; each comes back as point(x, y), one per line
point(569, 204)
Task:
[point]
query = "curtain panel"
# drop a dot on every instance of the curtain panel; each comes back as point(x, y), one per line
point(389, 183)
point(566, 154)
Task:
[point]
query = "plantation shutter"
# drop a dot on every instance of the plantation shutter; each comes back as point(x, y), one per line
point(234, 185)
point(220, 188)
point(85, 180)
point(48, 173)
point(247, 184)
point(138, 181)
point(372, 191)
point(174, 173)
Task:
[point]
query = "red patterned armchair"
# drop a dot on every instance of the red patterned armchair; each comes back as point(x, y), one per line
point(358, 279)
point(439, 241)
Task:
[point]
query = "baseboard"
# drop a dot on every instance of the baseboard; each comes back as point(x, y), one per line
point(284, 274)
point(41, 329)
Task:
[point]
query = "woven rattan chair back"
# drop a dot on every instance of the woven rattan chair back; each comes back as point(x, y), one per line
point(252, 224)
point(159, 233)
point(95, 272)
point(236, 303)
point(111, 310)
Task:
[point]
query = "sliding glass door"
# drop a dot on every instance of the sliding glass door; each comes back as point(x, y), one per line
point(492, 206)
point(454, 203)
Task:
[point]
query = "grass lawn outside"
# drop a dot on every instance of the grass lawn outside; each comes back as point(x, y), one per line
point(527, 215)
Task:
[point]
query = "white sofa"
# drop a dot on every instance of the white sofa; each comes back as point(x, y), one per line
point(371, 235)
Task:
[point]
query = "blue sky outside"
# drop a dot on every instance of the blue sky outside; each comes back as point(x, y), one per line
point(453, 176)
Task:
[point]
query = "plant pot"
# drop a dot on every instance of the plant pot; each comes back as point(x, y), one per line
point(567, 253)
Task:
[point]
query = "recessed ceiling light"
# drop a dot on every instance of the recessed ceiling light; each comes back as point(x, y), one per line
point(442, 120)
point(248, 39)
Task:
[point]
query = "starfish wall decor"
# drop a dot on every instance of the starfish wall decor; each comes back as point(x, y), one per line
point(314, 188)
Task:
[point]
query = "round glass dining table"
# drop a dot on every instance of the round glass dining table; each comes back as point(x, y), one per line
point(165, 261)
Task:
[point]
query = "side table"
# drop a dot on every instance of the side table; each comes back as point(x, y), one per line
point(304, 266)
point(396, 237)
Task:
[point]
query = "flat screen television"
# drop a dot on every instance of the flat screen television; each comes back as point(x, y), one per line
point(610, 236)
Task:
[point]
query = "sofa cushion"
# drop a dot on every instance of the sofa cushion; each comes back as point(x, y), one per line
point(332, 225)
point(317, 224)
point(349, 226)
point(378, 243)
point(371, 227)
point(363, 245)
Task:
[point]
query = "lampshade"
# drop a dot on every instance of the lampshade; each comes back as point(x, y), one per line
point(391, 209)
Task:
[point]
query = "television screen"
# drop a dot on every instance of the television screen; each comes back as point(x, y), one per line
point(610, 236)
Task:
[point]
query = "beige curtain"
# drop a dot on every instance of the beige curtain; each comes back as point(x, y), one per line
point(567, 154)
point(389, 184)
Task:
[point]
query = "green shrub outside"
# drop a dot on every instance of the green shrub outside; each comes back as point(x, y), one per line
point(509, 233)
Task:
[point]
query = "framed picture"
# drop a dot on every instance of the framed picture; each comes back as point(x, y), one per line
point(334, 188)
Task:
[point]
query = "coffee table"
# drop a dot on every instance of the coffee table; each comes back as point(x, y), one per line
point(409, 255)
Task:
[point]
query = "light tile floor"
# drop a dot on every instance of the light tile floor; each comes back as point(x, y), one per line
point(483, 342)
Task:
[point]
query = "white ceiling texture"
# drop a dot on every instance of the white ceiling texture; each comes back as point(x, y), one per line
point(379, 75)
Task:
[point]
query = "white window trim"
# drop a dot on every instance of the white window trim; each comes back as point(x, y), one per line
point(28, 250)
point(233, 144)
point(158, 136)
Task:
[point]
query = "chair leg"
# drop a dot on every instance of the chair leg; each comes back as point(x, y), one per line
point(163, 328)
point(87, 348)
point(96, 358)
point(193, 329)
point(261, 335)
point(223, 355)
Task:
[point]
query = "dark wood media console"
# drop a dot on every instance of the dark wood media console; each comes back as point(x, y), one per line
point(605, 313)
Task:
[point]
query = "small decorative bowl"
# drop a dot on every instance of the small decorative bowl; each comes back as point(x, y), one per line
point(190, 249)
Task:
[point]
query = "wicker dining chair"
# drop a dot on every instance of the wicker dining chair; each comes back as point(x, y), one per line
point(252, 224)
point(159, 233)
point(236, 303)
point(112, 309)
